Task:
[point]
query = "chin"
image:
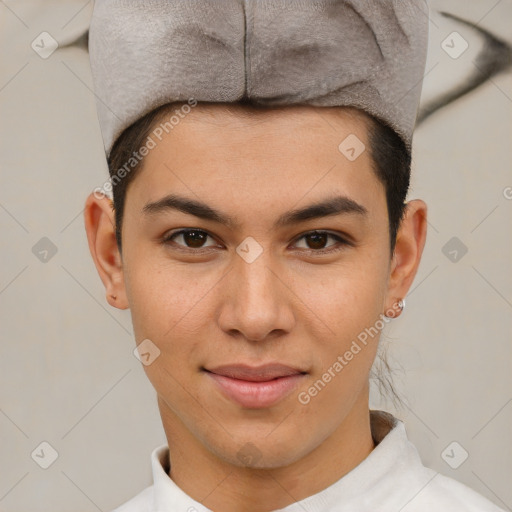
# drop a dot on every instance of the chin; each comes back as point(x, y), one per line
point(256, 450)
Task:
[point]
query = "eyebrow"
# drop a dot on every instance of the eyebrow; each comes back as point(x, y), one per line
point(329, 207)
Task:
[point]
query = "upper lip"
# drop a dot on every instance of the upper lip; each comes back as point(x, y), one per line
point(255, 373)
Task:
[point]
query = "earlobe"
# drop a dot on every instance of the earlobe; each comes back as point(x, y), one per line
point(409, 246)
point(100, 228)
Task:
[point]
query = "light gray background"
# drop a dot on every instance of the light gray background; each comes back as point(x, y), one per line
point(67, 372)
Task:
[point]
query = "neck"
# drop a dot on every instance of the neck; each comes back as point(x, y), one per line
point(221, 486)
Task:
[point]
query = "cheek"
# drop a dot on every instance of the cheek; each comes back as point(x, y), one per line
point(348, 296)
point(168, 301)
point(168, 307)
point(347, 303)
point(348, 307)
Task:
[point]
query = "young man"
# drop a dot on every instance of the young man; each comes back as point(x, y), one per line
point(259, 153)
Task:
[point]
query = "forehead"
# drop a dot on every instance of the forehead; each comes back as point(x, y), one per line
point(227, 132)
point(245, 153)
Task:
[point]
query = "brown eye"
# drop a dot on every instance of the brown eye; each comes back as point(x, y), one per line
point(191, 238)
point(316, 241)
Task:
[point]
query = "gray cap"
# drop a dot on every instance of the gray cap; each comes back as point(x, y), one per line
point(365, 54)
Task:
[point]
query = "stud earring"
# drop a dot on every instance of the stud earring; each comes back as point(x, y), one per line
point(392, 312)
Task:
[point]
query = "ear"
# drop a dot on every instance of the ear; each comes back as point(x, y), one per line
point(406, 258)
point(100, 227)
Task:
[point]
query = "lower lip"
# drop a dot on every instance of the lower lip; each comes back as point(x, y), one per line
point(256, 395)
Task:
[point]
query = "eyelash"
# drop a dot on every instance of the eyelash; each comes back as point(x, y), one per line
point(342, 242)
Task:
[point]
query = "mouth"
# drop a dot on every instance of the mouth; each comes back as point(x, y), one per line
point(255, 387)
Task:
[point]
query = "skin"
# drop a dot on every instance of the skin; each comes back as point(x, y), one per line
point(291, 305)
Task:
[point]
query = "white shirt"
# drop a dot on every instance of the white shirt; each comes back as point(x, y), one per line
point(391, 478)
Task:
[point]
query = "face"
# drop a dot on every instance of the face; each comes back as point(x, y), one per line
point(256, 300)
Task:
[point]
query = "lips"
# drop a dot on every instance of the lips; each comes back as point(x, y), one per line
point(255, 387)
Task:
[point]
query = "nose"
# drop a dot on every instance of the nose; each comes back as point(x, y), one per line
point(257, 303)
